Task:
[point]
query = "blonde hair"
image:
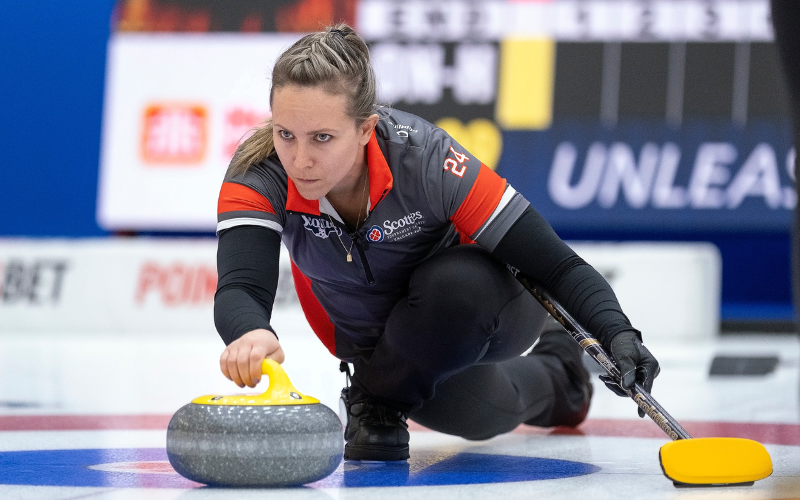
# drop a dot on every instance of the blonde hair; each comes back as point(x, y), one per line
point(336, 59)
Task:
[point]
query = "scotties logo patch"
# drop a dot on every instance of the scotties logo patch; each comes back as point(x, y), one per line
point(410, 224)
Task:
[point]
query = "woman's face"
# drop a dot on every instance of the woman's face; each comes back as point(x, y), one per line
point(317, 142)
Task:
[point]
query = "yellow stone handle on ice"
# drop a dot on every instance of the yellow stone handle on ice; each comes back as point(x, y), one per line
point(280, 392)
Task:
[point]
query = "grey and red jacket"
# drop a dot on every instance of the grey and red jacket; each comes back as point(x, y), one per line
point(426, 192)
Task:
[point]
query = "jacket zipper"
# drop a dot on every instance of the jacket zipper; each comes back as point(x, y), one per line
point(367, 270)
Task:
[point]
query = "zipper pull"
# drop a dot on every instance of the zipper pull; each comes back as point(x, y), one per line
point(362, 240)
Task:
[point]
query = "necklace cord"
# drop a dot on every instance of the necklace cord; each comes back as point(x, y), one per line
point(358, 220)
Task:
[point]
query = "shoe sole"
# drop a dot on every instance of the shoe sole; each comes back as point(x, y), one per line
point(375, 453)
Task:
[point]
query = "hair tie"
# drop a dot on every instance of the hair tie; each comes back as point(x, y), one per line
point(338, 32)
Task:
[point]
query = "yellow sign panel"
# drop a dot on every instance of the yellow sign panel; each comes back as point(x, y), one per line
point(525, 93)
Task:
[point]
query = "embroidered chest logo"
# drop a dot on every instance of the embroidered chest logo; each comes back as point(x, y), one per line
point(375, 234)
point(320, 228)
point(394, 230)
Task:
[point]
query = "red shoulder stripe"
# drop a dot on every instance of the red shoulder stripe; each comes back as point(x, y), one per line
point(236, 197)
point(315, 314)
point(480, 202)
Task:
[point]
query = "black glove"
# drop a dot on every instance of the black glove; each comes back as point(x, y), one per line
point(635, 363)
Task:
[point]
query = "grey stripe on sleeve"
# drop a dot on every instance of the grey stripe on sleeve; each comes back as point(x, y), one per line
point(490, 234)
point(250, 214)
point(508, 194)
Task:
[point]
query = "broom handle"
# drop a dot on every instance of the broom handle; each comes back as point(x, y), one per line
point(589, 344)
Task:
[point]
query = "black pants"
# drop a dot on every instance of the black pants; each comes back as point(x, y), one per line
point(450, 353)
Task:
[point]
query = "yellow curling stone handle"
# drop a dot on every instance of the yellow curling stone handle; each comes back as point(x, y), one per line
point(280, 392)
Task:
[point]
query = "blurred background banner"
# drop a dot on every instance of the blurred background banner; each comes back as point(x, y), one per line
point(645, 120)
point(607, 115)
point(114, 285)
point(177, 106)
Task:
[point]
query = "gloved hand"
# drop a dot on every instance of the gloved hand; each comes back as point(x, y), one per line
point(635, 363)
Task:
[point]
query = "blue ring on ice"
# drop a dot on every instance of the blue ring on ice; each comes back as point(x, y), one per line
point(437, 469)
point(426, 468)
point(71, 468)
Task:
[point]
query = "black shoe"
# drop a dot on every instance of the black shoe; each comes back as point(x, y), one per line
point(373, 430)
point(576, 388)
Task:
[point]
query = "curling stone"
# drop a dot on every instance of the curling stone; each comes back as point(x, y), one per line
point(279, 438)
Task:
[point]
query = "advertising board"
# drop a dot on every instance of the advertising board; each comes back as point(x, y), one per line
point(161, 285)
point(606, 115)
point(177, 106)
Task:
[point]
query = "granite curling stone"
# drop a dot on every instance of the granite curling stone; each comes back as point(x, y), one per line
point(279, 438)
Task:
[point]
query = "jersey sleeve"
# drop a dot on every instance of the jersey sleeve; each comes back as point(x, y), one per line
point(481, 205)
point(255, 198)
point(532, 247)
point(247, 266)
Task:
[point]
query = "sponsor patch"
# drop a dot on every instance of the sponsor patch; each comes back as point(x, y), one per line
point(321, 228)
point(405, 226)
point(404, 130)
point(375, 234)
